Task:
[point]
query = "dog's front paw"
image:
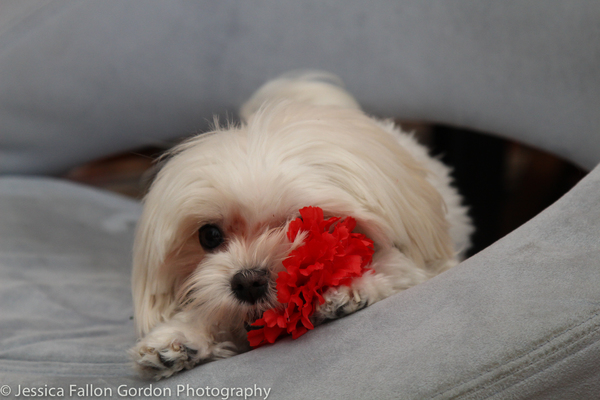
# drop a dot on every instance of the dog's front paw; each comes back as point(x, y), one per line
point(157, 357)
point(339, 302)
point(163, 361)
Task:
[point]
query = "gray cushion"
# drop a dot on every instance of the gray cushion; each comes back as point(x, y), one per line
point(81, 79)
point(519, 320)
point(65, 297)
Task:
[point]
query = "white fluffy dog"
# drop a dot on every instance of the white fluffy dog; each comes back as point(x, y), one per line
point(212, 236)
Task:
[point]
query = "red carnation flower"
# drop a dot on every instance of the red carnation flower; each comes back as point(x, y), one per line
point(326, 259)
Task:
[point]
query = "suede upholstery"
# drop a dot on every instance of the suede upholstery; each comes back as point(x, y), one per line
point(82, 79)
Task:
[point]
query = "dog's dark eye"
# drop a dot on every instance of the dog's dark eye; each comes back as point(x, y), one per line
point(210, 236)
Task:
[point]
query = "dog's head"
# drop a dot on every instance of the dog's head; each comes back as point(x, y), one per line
point(212, 235)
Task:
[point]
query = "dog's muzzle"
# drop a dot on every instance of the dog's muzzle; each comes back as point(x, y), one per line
point(251, 285)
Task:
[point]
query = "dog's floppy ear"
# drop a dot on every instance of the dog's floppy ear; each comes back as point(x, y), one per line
point(166, 248)
point(153, 290)
point(161, 255)
point(309, 86)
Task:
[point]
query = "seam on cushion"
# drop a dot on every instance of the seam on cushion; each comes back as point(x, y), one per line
point(496, 375)
point(550, 364)
point(568, 349)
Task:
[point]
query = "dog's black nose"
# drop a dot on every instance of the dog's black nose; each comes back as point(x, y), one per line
point(250, 285)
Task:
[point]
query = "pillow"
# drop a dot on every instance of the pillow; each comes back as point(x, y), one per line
point(83, 79)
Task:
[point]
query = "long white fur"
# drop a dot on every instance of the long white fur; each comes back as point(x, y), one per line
point(305, 142)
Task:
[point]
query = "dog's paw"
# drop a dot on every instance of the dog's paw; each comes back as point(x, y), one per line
point(163, 361)
point(339, 302)
point(156, 359)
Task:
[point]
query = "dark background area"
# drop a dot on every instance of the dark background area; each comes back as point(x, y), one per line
point(503, 182)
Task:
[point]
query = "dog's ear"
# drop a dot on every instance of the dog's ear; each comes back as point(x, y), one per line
point(166, 251)
point(153, 289)
point(309, 87)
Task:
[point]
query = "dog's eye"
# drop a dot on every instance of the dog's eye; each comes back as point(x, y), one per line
point(210, 236)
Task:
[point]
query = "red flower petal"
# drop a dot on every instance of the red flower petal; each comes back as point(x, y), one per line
point(270, 317)
point(299, 332)
point(256, 337)
point(272, 333)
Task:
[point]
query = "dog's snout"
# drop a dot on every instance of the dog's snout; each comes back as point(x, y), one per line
point(250, 285)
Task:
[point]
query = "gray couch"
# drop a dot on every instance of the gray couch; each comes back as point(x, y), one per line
point(83, 79)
